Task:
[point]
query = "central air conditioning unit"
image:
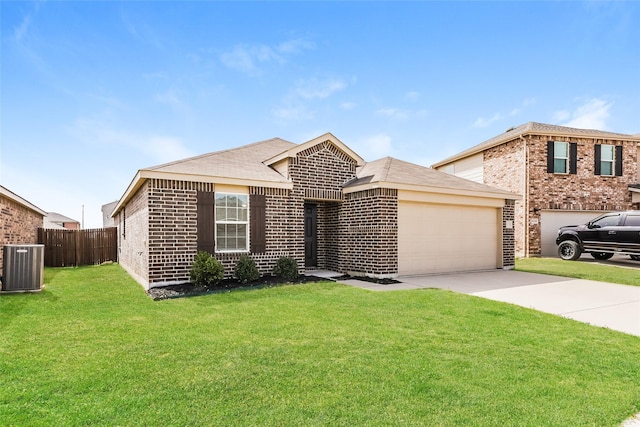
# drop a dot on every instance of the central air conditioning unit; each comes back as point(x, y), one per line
point(23, 268)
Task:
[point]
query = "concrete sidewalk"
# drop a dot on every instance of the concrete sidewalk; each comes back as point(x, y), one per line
point(608, 305)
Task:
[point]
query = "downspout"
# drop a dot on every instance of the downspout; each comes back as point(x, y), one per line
point(525, 225)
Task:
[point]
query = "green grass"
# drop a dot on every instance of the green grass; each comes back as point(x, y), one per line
point(93, 349)
point(580, 270)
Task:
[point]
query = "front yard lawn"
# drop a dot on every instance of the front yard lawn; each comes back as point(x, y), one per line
point(580, 270)
point(94, 349)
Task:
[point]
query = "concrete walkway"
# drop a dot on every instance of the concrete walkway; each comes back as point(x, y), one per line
point(608, 305)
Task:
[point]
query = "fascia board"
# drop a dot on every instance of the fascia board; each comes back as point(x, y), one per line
point(144, 175)
point(438, 190)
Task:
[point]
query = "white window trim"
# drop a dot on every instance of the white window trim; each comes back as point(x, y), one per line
point(566, 159)
point(612, 162)
point(216, 222)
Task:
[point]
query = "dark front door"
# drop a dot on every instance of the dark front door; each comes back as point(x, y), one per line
point(310, 235)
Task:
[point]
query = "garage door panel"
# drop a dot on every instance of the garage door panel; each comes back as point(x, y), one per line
point(550, 221)
point(442, 238)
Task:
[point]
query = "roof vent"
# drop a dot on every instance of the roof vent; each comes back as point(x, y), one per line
point(510, 129)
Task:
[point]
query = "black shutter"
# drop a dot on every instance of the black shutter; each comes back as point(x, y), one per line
point(206, 221)
point(550, 153)
point(597, 157)
point(573, 158)
point(257, 227)
point(618, 160)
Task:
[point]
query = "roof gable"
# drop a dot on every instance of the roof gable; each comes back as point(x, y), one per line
point(327, 137)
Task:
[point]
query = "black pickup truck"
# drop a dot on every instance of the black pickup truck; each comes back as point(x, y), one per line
point(602, 237)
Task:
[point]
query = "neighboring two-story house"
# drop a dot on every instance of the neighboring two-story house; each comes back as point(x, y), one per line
point(566, 176)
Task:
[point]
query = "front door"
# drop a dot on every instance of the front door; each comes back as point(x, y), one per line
point(310, 235)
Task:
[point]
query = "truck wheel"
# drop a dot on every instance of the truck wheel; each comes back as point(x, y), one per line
point(601, 255)
point(569, 250)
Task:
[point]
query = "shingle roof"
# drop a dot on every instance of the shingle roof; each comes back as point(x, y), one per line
point(538, 129)
point(250, 165)
point(5, 192)
point(56, 217)
point(244, 162)
point(400, 173)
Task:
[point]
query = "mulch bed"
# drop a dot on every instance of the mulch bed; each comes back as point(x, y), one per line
point(367, 279)
point(226, 285)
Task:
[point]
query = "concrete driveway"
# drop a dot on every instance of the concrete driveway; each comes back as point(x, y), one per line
point(601, 304)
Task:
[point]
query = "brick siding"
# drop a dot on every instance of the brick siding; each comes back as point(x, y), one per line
point(19, 225)
point(504, 167)
point(369, 233)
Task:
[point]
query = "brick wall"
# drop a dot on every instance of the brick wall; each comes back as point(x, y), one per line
point(318, 174)
point(369, 233)
point(504, 168)
point(19, 225)
point(133, 235)
point(508, 235)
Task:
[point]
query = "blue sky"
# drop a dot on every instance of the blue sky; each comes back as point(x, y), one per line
point(93, 91)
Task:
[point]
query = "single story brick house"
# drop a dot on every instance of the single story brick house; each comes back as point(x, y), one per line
point(19, 221)
point(566, 176)
point(318, 202)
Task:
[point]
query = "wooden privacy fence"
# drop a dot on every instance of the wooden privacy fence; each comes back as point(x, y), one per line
point(72, 248)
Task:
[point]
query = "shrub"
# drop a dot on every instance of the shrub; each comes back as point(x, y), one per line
point(206, 270)
point(246, 270)
point(286, 268)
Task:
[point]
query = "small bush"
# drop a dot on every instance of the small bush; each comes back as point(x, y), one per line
point(286, 268)
point(246, 270)
point(206, 270)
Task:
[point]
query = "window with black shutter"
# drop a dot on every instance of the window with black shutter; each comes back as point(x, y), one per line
point(257, 225)
point(205, 222)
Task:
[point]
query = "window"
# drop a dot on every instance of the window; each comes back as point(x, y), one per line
point(560, 157)
point(232, 222)
point(606, 160)
point(633, 220)
point(606, 221)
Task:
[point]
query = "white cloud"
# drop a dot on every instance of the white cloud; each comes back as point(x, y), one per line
point(348, 105)
point(483, 122)
point(249, 59)
point(99, 132)
point(299, 112)
point(401, 114)
point(315, 88)
point(294, 46)
point(308, 90)
point(393, 113)
point(21, 30)
point(593, 114)
point(412, 95)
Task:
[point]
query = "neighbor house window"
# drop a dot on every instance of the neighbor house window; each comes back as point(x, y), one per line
point(562, 157)
point(232, 222)
point(606, 160)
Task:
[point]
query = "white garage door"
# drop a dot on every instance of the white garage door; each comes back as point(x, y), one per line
point(435, 238)
point(550, 221)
